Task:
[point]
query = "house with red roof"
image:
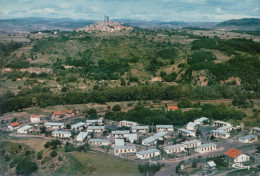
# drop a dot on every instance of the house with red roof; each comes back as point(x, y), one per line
point(69, 113)
point(35, 118)
point(57, 115)
point(13, 126)
point(173, 108)
point(236, 156)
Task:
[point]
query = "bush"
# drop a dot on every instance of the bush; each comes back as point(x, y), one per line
point(116, 108)
point(39, 155)
point(26, 167)
point(53, 154)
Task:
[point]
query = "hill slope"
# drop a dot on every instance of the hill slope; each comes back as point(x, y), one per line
point(240, 24)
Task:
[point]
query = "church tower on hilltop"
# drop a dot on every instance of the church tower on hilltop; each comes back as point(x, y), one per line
point(106, 19)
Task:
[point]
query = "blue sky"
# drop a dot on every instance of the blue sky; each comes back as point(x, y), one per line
point(164, 10)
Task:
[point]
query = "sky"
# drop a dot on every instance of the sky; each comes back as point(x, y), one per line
point(163, 10)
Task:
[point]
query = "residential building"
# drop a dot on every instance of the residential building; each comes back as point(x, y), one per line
point(95, 129)
point(98, 142)
point(174, 148)
point(121, 149)
point(168, 128)
point(203, 148)
point(82, 136)
point(191, 126)
point(149, 141)
point(94, 121)
point(132, 137)
point(160, 135)
point(211, 165)
point(172, 108)
point(225, 128)
point(61, 134)
point(186, 132)
point(256, 130)
point(120, 134)
point(220, 134)
point(248, 138)
point(56, 115)
point(119, 142)
point(35, 118)
point(236, 156)
point(147, 154)
point(25, 129)
point(141, 129)
point(127, 123)
point(13, 126)
point(201, 120)
point(79, 126)
point(69, 113)
point(54, 125)
point(191, 144)
point(221, 123)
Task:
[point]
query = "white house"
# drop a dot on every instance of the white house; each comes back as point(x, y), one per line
point(174, 148)
point(221, 123)
point(236, 156)
point(119, 142)
point(95, 129)
point(147, 154)
point(191, 126)
point(168, 128)
point(149, 141)
point(220, 134)
point(24, 129)
point(13, 126)
point(82, 136)
point(141, 129)
point(79, 126)
point(256, 130)
point(127, 123)
point(203, 148)
point(186, 132)
point(61, 134)
point(94, 121)
point(98, 142)
point(35, 118)
point(54, 125)
point(191, 144)
point(201, 120)
point(132, 137)
point(211, 165)
point(160, 135)
point(248, 138)
point(225, 128)
point(120, 134)
point(121, 149)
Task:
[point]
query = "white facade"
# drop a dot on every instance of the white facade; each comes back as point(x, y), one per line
point(248, 138)
point(174, 148)
point(219, 123)
point(98, 142)
point(147, 154)
point(186, 132)
point(61, 134)
point(256, 130)
point(35, 119)
point(81, 136)
point(140, 129)
point(127, 123)
point(94, 121)
point(54, 125)
point(206, 148)
point(225, 128)
point(168, 128)
point(124, 149)
point(120, 134)
point(220, 134)
point(191, 144)
point(25, 129)
point(95, 129)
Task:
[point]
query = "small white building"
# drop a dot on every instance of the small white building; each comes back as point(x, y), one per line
point(256, 130)
point(150, 141)
point(98, 142)
point(186, 132)
point(94, 121)
point(248, 138)
point(221, 123)
point(82, 136)
point(168, 128)
point(127, 123)
point(25, 129)
point(119, 142)
point(220, 134)
point(61, 134)
point(211, 165)
point(132, 137)
point(191, 126)
point(141, 129)
point(54, 125)
point(95, 129)
point(13, 126)
point(236, 156)
point(35, 118)
point(203, 148)
point(225, 128)
point(160, 135)
point(79, 126)
point(191, 144)
point(174, 148)
point(147, 154)
point(121, 149)
point(201, 120)
point(120, 134)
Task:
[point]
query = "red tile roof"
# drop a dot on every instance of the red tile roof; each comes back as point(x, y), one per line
point(57, 112)
point(69, 112)
point(172, 107)
point(34, 116)
point(15, 124)
point(233, 153)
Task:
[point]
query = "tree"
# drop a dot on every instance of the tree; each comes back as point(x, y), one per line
point(149, 169)
point(68, 126)
point(92, 112)
point(53, 154)
point(116, 107)
point(194, 163)
point(123, 83)
point(26, 166)
point(39, 155)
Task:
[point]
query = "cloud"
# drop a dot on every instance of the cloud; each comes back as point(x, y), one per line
point(43, 11)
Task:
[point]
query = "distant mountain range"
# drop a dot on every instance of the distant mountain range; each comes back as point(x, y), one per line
point(26, 25)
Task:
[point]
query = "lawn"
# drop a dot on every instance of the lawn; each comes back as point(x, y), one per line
point(106, 165)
